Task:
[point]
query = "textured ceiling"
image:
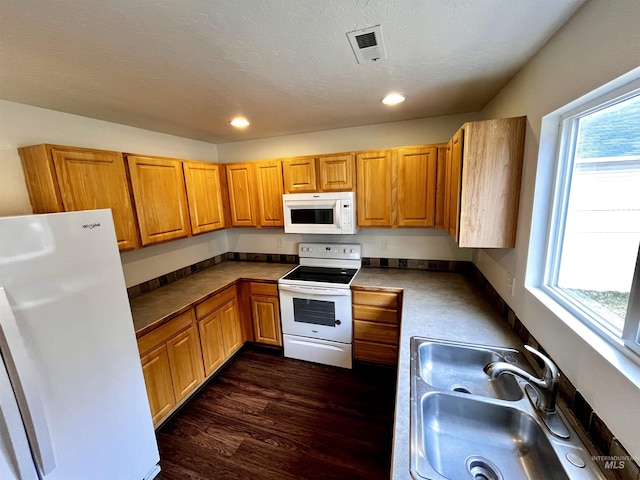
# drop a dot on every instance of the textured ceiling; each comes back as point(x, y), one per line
point(186, 67)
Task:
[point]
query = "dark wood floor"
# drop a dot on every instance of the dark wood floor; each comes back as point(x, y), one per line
point(269, 417)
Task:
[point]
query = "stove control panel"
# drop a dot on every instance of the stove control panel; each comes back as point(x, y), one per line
point(343, 251)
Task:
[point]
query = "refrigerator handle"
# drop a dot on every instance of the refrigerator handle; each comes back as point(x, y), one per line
point(23, 380)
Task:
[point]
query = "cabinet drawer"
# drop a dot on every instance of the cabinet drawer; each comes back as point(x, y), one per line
point(165, 332)
point(375, 352)
point(215, 302)
point(376, 299)
point(375, 332)
point(269, 289)
point(375, 314)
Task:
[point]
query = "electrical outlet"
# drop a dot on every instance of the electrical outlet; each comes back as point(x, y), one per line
point(509, 284)
point(385, 245)
point(210, 246)
point(279, 243)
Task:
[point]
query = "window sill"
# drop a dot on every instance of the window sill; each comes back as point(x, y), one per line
point(609, 348)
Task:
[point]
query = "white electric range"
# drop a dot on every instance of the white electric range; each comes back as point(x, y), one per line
point(315, 303)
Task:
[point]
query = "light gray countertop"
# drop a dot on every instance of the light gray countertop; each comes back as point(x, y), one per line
point(441, 305)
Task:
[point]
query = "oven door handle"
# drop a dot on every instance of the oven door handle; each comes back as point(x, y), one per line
point(344, 292)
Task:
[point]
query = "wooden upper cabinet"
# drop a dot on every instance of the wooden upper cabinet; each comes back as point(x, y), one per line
point(441, 184)
point(240, 184)
point(453, 179)
point(69, 179)
point(268, 176)
point(336, 172)
point(489, 154)
point(160, 197)
point(416, 186)
point(204, 194)
point(323, 173)
point(374, 193)
point(299, 175)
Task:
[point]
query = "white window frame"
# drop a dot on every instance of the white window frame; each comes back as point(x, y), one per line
point(565, 141)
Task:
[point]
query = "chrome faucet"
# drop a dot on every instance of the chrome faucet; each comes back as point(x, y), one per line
point(547, 386)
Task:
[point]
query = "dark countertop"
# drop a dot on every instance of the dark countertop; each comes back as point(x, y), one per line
point(156, 307)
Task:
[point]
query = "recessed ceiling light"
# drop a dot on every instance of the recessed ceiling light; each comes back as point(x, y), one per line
point(239, 122)
point(393, 99)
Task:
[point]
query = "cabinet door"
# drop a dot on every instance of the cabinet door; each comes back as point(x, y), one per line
point(454, 178)
point(231, 333)
point(269, 183)
point(374, 193)
point(299, 175)
point(210, 329)
point(416, 186)
point(202, 180)
point(157, 378)
point(240, 184)
point(185, 359)
point(266, 320)
point(441, 186)
point(161, 201)
point(336, 172)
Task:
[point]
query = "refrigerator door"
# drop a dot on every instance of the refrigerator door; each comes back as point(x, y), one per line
point(71, 349)
point(15, 455)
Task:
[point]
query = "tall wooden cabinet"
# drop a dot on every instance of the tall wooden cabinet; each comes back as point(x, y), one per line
point(204, 194)
point(375, 197)
point(65, 179)
point(483, 183)
point(255, 193)
point(160, 198)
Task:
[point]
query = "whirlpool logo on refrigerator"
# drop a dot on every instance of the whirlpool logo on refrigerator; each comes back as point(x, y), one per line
point(90, 226)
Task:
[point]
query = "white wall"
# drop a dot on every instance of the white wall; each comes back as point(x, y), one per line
point(22, 125)
point(600, 43)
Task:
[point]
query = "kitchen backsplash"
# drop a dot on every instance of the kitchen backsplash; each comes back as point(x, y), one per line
point(584, 418)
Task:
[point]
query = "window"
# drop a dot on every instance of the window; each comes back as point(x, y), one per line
point(592, 256)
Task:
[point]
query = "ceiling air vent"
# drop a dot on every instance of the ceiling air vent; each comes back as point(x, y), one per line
point(367, 44)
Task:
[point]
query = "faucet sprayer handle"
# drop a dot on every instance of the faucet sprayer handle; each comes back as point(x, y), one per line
point(551, 372)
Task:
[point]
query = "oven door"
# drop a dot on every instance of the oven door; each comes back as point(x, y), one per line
point(316, 312)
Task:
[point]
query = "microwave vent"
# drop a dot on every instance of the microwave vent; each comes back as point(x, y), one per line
point(367, 44)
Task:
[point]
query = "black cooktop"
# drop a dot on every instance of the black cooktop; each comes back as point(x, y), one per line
point(322, 274)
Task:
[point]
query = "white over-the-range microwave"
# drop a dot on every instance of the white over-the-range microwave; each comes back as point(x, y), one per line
point(326, 213)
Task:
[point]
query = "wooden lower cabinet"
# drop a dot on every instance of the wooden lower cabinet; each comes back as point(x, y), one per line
point(376, 324)
point(231, 330)
point(211, 340)
point(172, 364)
point(157, 378)
point(185, 359)
point(265, 313)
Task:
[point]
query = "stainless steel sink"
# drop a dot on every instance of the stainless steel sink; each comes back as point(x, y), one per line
point(459, 367)
point(465, 426)
point(467, 438)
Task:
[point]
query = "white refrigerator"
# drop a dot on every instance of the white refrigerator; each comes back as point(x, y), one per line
point(73, 404)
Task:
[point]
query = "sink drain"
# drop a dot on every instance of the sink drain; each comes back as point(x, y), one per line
point(482, 469)
point(460, 389)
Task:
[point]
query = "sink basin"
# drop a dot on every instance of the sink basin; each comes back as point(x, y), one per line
point(459, 368)
point(468, 438)
point(465, 426)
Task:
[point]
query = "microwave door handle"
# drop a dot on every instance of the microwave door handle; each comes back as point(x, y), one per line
point(338, 210)
point(315, 291)
point(22, 375)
